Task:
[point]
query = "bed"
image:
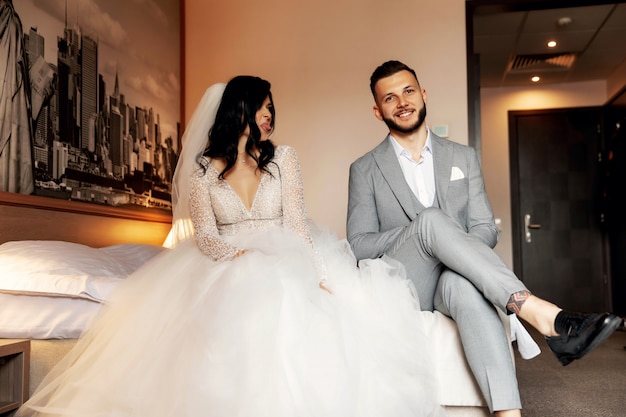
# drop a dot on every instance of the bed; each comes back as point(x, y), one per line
point(78, 227)
point(113, 242)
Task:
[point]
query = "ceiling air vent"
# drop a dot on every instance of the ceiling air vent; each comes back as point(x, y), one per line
point(543, 62)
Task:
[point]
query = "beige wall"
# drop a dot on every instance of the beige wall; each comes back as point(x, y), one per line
point(319, 56)
point(495, 104)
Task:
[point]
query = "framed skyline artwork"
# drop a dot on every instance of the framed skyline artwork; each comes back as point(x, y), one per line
point(90, 112)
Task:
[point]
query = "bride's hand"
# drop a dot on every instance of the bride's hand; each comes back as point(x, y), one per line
point(322, 286)
point(241, 252)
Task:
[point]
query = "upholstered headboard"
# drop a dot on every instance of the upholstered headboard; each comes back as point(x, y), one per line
point(26, 217)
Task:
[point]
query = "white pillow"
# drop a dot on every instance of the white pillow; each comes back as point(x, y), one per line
point(65, 269)
point(132, 255)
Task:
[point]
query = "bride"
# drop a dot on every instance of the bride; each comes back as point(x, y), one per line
point(253, 312)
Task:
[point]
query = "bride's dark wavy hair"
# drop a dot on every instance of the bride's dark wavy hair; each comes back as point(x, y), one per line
point(243, 97)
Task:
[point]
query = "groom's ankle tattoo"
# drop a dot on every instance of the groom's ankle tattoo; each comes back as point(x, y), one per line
point(516, 301)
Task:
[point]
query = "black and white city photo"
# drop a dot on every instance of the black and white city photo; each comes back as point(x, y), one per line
point(90, 102)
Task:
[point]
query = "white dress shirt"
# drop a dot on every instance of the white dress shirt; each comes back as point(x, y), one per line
point(419, 175)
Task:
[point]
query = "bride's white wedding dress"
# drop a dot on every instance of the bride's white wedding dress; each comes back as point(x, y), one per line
point(255, 336)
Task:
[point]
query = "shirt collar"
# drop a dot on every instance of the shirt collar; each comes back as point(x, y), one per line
point(400, 151)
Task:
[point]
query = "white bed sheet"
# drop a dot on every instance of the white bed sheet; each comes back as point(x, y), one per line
point(42, 317)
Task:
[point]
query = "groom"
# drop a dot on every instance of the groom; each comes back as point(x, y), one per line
point(421, 199)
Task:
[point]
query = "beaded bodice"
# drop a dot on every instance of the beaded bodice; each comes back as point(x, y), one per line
point(217, 210)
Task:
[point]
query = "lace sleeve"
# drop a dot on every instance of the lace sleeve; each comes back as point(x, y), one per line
point(294, 209)
point(204, 222)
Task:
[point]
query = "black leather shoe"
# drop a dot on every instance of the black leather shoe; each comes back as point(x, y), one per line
point(580, 333)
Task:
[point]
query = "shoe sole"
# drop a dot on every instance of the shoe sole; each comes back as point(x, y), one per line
point(607, 329)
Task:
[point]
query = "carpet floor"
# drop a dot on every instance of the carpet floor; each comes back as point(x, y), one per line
point(594, 386)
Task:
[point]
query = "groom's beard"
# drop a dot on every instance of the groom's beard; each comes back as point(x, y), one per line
point(393, 126)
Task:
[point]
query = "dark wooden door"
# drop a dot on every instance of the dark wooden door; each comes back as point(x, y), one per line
point(558, 243)
point(615, 206)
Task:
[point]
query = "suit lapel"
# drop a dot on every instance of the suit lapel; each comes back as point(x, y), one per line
point(389, 166)
point(442, 158)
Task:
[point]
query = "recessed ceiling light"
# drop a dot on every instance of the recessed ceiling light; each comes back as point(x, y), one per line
point(551, 44)
point(535, 78)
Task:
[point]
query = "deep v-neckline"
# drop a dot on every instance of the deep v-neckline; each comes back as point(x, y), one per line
point(256, 191)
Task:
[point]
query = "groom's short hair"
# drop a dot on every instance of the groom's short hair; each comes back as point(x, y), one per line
point(387, 69)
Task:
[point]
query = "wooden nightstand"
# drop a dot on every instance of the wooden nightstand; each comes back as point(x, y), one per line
point(14, 371)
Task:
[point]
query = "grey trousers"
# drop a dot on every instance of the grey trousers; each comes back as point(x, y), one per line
point(463, 278)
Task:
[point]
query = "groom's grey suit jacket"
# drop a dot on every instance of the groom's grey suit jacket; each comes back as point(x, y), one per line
point(381, 213)
point(381, 204)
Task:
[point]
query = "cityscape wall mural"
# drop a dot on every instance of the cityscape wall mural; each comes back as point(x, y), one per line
point(90, 110)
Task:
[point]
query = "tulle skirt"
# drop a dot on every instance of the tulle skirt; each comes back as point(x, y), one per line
point(251, 337)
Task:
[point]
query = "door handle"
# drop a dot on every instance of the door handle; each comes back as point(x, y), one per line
point(528, 226)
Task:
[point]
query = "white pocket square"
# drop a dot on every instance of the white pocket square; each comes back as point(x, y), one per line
point(456, 174)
